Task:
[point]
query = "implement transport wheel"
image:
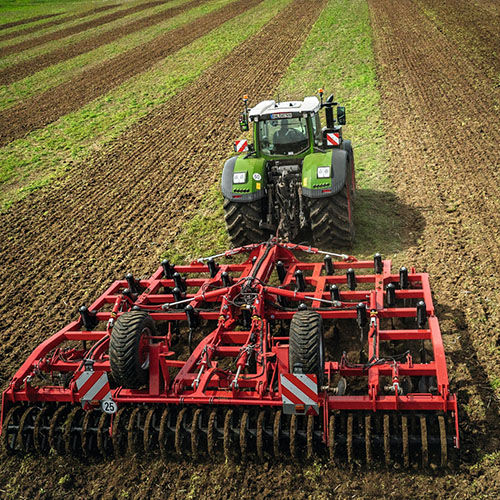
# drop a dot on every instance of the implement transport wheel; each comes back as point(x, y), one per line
point(242, 222)
point(128, 354)
point(307, 344)
point(331, 220)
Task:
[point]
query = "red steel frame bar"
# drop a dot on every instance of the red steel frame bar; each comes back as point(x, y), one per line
point(201, 381)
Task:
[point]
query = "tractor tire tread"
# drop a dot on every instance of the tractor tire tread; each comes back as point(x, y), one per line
point(242, 222)
point(330, 224)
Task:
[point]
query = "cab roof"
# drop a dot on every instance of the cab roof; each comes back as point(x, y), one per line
point(266, 108)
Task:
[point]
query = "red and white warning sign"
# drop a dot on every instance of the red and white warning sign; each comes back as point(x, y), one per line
point(333, 138)
point(241, 146)
point(299, 393)
point(94, 386)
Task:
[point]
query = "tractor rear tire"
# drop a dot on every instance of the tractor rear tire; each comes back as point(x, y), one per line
point(125, 357)
point(242, 222)
point(307, 344)
point(331, 220)
point(347, 146)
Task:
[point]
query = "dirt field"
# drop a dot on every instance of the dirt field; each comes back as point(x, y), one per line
point(65, 32)
point(41, 110)
point(118, 212)
point(25, 68)
point(55, 22)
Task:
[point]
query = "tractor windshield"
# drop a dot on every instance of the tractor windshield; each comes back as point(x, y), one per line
point(284, 136)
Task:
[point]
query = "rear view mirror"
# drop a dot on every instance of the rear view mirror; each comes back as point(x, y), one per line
point(341, 115)
point(244, 122)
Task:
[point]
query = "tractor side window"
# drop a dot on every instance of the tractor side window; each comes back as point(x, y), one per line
point(284, 136)
point(316, 124)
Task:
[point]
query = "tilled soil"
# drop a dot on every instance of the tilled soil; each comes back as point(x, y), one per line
point(26, 21)
point(78, 28)
point(93, 82)
point(25, 68)
point(443, 134)
point(478, 31)
point(56, 22)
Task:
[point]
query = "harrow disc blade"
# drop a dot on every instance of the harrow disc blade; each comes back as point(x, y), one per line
point(262, 437)
point(119, 432)
point(89, 432)
point(56, 429)
point(232, 433)
point(135, 431)
point(151, 430)
point(25, 435)
point(213, 434)
point(164, 435)
point(196, 434)
point(10, 429)
point(72, 432)
point(103, 435)
point(41, 430)
point(182, 433)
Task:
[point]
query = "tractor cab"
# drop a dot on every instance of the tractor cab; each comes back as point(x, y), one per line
point(292, 128)
point(288, 128)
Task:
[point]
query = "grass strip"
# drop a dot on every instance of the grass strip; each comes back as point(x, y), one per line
point(338, 56)
point(32, 162)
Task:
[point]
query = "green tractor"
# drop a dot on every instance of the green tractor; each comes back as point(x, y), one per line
point(295, 178)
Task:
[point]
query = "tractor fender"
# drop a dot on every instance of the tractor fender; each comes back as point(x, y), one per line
point(347, 146)
point(314, 187)
point(253, 188)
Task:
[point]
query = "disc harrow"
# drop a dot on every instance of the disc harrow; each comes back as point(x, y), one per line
point(355, 393)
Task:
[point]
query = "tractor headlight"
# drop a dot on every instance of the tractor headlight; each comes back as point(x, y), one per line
point(323, 172)
point(239, 177)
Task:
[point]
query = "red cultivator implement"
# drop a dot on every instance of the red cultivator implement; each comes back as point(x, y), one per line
point(289, 357)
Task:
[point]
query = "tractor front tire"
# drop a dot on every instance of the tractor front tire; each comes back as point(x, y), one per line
point(127, 356)
point(242, 222)
point(307, 344)
point(331, 220)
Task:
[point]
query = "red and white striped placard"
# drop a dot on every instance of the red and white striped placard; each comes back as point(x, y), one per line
point(333, 138)
point(299, 393)
point(241, 146)
point(93, 386)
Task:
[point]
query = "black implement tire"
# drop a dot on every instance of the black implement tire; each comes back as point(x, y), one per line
point(331, 220)
point(307, 344)
point(242, 222)
point(125, 349)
